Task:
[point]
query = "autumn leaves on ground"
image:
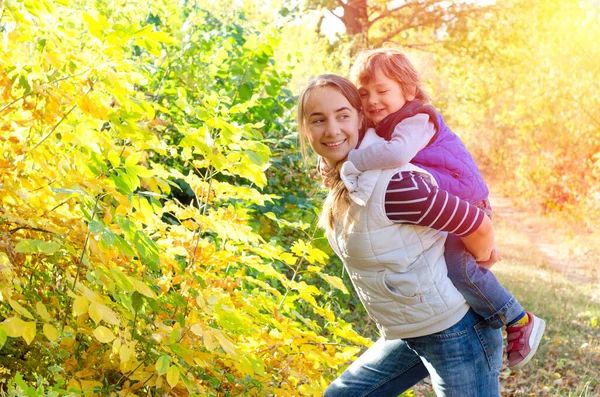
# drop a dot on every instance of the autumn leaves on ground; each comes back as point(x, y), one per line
point(157, 222)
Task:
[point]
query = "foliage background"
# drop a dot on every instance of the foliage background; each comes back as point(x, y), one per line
point(156, 217)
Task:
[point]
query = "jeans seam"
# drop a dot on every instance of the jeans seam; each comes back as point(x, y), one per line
point(474, 286)
point(397, 374)
point(480, 337)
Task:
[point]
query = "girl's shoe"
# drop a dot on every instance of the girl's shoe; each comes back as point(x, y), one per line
point(523, 341)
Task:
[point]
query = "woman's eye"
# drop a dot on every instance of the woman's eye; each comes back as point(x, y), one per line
point(344, 116)
point(317, 121)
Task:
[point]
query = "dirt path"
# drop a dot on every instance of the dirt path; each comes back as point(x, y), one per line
point(576, 255)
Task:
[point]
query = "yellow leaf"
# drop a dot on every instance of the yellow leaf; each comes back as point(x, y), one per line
point(42, 311)
point(142, 288)
point(14, 327)
point(196, 329)
point(225, 343)
point(50, 332)
point(103, 334)
point(288, 258)
point(20, 309)
point(209, 341)
point(80, 306)
point(29, 331)
point(94, 311)
point(116, 347)
point(173, 376)
point(335, 282)
point(98, 312)
point(125, 353)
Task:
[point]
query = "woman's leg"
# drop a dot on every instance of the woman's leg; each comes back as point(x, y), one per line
point(482, 291)
point(464, 360)
point(387, 368)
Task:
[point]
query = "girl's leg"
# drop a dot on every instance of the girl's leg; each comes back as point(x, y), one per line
point(482, 291)
point(464, 360)
point(387, 368)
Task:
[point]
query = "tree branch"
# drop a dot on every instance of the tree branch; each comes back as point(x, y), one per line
point(387, 13)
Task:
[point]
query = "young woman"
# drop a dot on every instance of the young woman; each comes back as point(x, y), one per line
point(375, 224)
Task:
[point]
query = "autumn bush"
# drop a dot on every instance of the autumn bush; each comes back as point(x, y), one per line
point(141, 250)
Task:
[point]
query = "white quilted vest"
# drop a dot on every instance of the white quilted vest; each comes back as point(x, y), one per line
point(398, 270)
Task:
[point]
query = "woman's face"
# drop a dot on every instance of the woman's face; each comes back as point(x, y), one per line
point(332, 124)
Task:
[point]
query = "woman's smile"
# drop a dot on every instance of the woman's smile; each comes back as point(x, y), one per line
point(332, 124)
point(333, 145)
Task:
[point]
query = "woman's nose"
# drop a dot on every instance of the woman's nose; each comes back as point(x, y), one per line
point(332, 128)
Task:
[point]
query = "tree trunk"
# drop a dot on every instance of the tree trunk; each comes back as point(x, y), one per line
point(355, 17)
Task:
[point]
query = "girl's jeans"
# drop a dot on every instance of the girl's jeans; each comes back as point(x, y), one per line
point(479, 286)
point(463, 361)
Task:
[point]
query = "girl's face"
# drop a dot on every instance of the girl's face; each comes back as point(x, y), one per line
point(332, 124)
point(381, 97)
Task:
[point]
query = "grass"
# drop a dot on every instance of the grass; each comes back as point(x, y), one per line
point(568, 360)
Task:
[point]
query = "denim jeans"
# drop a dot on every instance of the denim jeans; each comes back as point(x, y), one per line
point(482, 291)
point(464, 360)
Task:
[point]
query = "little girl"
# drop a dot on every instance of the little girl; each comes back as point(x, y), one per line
point(397, 107)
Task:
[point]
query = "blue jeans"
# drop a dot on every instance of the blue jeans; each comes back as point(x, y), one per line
point(463, 361)
point(482, 291)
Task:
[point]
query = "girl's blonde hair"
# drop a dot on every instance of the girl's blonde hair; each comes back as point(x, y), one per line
point(337, 203)
point(395, 65)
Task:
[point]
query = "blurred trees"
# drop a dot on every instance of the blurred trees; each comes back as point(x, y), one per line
point(521, 85)
point(410, 22)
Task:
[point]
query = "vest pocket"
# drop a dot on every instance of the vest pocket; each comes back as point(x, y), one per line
point(394, 289)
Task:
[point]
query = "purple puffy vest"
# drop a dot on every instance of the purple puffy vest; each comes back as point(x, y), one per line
point(445, 157)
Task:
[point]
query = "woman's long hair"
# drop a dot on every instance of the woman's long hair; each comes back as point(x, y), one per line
point(337, 203)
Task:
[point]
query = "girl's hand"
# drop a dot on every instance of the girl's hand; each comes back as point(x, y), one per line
point(496, 256)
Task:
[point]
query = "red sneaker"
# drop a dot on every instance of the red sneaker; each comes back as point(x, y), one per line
point(523, 341)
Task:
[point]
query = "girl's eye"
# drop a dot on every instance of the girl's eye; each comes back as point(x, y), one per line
point(316, 121)
point(383, 92)
point(344, 116)
point(362, 94)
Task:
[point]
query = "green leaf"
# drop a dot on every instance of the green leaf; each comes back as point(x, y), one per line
point(162, 365)
point(3, 336)
point(66, 191)
point(147, 250)
point(254, 157)
point(122, 182)
point(124, 246)
point(36, 246)
point(245, 91)
point(137, 301)
point(96, 227)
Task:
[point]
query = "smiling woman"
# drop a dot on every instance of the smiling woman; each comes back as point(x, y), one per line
point(333, 124)
point(329, 117)
point(398, 269)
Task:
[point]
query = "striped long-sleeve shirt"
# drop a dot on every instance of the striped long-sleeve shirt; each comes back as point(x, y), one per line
point(411, 198)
